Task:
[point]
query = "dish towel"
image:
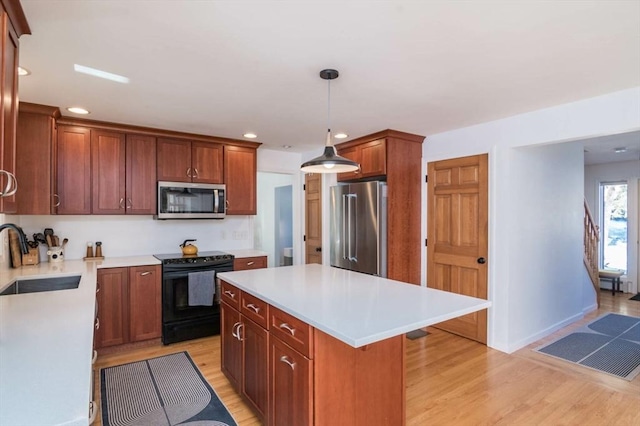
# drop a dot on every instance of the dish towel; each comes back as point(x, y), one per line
point(201, 288)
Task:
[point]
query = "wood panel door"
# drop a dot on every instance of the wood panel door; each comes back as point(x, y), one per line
point(145, 303)
point(457, 236)
point(9, 109)
point(206, 162)
point(73, 170)
point(313, 218)
point(113, 307)
point(240, 173)
point(174, 160)
point(291, 383)
point(108, 172)
point(141, 188)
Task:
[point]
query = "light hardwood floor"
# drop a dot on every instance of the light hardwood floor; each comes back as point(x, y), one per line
point(454, 381)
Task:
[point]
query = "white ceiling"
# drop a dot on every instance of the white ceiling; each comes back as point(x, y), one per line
point(227, 67)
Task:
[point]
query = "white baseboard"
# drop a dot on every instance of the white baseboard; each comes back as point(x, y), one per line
point(547, 331)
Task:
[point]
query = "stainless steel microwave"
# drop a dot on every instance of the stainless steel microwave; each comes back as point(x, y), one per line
point(182, 200)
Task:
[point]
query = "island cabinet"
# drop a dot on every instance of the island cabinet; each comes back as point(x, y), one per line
point(240, 176)
point(186, 161)
point(35, 142)
point(129, 305)
point(123, 168)
point(311, 377)
point(245, 345)
point(13, 24)
point(394, 157)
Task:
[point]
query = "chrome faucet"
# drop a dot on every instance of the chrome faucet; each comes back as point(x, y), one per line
point(21, 236)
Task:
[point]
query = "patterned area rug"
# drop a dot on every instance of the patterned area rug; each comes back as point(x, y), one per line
point(610, 343)
point(164, 391)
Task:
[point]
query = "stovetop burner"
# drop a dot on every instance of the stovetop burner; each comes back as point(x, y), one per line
point(201, 257)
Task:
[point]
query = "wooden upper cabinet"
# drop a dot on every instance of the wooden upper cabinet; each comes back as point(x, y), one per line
point(174, 160)
point(72, 194)
point(141, 175)
point(108, 172)
point(240, 172)
point(9, 100)
point(35, 139)
point(184, 161)
point(371, 156)
point(206, 161)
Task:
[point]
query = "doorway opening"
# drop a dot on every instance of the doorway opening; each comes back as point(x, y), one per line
point(273, 224)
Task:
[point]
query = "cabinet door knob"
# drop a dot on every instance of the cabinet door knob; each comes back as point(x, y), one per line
point(286, 360)
point(287, 327)
point(482, 260)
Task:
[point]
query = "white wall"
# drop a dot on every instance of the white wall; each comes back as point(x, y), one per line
point(264, 229)
point(611, 172)
point(511, 281)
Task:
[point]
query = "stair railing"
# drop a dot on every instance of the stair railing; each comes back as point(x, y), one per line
point(591, 244)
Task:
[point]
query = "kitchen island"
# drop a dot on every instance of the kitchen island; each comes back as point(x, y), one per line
point(321, 345)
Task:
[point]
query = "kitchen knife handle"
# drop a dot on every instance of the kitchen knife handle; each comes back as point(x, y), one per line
point(58, 203)
point(287, 327)
point(285, 359)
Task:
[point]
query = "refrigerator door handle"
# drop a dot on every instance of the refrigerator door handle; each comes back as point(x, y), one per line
point(353, 227)
point(344, 226)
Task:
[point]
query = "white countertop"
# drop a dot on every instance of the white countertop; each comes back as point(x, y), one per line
point(46, 344)
point(355, 308)
point(246, 253)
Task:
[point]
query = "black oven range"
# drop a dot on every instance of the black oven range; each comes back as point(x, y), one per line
point(188, 310)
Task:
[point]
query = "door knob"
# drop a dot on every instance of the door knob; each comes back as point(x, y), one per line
point(319, 249)
point(482, 260)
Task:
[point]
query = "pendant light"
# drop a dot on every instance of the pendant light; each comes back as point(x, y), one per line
point(329, 161)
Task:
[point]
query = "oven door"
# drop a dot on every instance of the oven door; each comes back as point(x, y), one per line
point(175, 293)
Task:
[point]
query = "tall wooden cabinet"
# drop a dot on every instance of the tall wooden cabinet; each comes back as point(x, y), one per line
point(395, 157)
point(13, 24)
point(35, 142)
point(129, 305)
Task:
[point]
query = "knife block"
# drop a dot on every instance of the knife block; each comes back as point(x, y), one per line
point(31, 258)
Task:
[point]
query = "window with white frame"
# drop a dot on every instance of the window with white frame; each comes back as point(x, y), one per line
point(613, 224)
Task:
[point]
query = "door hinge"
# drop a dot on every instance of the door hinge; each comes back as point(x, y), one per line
point(304, 186)
point(426, 178)
point(304, 238)
point(425, 242)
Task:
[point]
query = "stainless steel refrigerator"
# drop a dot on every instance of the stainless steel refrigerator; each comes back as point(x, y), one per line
point(359, 227)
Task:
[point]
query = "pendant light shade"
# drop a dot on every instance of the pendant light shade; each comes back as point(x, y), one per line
point(329, 161)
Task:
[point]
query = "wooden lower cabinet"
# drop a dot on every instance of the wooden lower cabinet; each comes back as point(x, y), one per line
point(311, 378)
point(129, 305)
point(291, 384)
point(244, 357)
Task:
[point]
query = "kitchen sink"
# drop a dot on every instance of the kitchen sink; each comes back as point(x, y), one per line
point(21, 286)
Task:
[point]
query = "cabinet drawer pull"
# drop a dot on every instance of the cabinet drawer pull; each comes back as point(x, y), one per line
point(189, 172)
point(144, 274)
point(230, 294)
point(233, 333)
point(130, 203)
point(58, 203)
point(254, 307)
point(122, 203)
point(195, 171)
point(240, 327)
point(285, 359)
point(97, 323)
point(287, 327)
point(250, 263)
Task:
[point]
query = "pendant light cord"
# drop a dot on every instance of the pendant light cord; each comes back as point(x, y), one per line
point(328, 112)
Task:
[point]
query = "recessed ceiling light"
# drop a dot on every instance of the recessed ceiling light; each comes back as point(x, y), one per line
point(100, 74)
point(250, 135)
point(341, 135)
point(286, 146)
point(23, 71)
point(620, 150)
point(78, 110)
